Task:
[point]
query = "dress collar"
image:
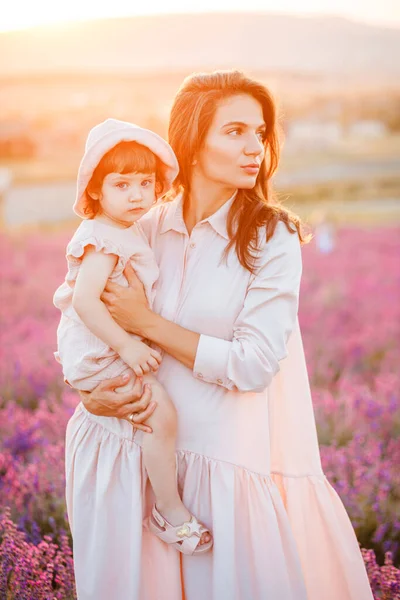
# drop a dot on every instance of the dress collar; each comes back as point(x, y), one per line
point(218, 220)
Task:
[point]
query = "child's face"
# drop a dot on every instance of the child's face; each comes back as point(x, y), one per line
point(127, 197)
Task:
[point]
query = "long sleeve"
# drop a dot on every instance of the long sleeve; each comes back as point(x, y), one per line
point(261, 331)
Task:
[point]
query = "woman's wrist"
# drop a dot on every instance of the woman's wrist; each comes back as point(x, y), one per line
point(177, 341)
point(148, 324)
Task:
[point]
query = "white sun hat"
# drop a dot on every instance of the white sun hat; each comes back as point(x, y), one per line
point(108, 134)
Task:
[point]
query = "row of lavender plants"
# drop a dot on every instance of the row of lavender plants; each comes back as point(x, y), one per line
point(350, 319)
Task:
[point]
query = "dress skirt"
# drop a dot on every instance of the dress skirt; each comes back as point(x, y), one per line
point(248, 467)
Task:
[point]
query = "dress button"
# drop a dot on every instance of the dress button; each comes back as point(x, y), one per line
point(219, 381)
point(193, 245)
point(200, 375)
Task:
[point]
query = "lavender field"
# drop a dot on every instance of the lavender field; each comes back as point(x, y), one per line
point(350, 319)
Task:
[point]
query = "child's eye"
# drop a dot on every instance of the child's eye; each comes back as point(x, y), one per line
point(120, 184)
point(147, 182)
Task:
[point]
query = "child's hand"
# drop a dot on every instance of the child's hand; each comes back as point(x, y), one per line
point(140, 357)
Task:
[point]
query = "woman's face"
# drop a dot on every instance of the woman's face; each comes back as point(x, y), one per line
point(234, 146)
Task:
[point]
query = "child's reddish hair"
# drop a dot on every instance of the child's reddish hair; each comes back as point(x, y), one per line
point(125, 157)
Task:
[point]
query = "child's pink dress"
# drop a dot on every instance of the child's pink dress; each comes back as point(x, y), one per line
point(87, 360)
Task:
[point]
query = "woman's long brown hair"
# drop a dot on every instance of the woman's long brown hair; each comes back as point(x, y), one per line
point(191, 116)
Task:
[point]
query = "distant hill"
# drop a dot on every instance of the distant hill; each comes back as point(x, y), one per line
point(255, 42)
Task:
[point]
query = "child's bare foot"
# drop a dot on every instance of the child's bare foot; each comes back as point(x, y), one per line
point(178, 515)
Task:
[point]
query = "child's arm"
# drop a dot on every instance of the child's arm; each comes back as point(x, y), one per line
point(94, 271)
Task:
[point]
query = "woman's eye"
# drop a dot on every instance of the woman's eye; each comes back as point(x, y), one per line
point(234, 131)
point(262, 135)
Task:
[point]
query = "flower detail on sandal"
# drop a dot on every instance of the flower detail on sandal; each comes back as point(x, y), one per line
point(185, 537)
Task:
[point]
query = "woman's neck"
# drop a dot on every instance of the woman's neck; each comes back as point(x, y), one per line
point(204, 200)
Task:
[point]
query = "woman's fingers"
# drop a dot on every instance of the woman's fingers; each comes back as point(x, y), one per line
point(145, 367)
point(130, 274)
point(143, 416)
point(127, 400)
point(140, 405)
point(145, 428)
point(112, 384)
point(142, 426)
point(112, 287)
point(122, 404)
point(105, 391)
point(107, 297)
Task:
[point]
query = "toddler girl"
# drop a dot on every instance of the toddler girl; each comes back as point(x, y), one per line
point(124, 169)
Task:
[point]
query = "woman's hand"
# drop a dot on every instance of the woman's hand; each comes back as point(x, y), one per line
point(103, 401)
point(128, 306)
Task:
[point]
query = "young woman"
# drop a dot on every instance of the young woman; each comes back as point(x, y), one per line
point(225, 316)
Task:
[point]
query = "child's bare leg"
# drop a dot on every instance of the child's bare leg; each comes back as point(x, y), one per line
point(159, 457)
point(158, 450)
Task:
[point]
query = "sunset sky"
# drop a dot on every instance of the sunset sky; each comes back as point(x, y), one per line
point(21, 14)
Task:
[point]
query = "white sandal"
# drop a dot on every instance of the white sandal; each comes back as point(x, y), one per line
point(185, 537)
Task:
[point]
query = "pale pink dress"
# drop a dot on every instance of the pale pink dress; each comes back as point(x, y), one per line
point(86, 360)
point(249, 464)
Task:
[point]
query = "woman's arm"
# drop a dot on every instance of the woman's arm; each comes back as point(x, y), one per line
point(181, 343)
point(174, 339)
point(262, 329)
point(248, 361)
point(94, 272)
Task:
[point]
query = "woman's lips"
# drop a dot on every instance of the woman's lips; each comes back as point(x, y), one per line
point(251, 169)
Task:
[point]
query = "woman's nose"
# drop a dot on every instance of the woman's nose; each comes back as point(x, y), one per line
point(254, 146)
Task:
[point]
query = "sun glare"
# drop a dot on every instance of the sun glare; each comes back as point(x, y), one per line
point(23, 14)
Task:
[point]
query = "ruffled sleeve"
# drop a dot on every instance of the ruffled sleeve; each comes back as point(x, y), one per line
point(102, 241)
point(76, 249)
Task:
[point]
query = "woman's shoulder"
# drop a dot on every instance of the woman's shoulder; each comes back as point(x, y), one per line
point(283, 245)
point(154, 218)
point(285, 238)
